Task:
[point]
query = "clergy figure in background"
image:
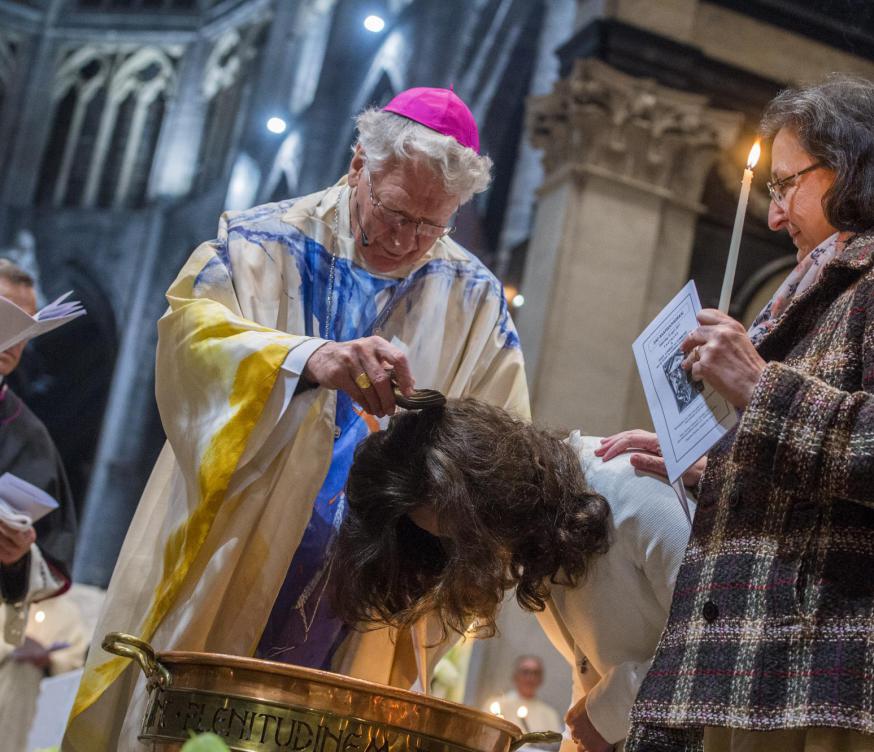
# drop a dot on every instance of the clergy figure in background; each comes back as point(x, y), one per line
point(35, 563)
point(520, 705)
point(273, 363)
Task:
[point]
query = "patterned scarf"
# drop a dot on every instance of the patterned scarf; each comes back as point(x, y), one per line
point(800, 278)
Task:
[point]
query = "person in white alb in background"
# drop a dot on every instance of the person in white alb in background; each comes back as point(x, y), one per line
point(520, 705)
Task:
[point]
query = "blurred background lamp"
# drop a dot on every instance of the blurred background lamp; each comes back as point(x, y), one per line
point(276, 125)
point(518, 300)
point(374, 24)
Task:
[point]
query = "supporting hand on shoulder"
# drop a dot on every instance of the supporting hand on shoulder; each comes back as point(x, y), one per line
point(647, 455)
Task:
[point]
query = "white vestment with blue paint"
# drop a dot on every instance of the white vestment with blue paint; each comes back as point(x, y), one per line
point(248, 452)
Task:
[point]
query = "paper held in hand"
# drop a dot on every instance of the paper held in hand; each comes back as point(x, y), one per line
point(689, 417)
point(17, 325)
point(22, 503)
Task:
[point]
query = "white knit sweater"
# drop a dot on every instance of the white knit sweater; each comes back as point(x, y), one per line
point(608, 627)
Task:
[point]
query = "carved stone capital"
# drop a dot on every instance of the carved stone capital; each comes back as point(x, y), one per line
point(633, 129)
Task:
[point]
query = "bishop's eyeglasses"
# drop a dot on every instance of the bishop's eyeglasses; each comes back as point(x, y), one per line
point(398, 220)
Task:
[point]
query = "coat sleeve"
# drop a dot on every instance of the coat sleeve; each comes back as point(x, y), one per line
point(809, 437)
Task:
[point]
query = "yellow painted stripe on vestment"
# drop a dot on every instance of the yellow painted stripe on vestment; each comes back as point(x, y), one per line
point(256, 375)
point(253, 383)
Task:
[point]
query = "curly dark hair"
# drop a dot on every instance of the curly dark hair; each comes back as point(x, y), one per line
point(513, 507)
point(834, 123)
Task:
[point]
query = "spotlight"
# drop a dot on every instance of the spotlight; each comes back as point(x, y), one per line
point(276, 125)
point(518, 300)
point(374, 24)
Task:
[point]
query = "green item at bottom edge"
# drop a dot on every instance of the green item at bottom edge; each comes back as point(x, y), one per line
point(205, 743)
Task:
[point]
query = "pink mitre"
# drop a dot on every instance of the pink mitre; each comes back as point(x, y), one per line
point(440, 110)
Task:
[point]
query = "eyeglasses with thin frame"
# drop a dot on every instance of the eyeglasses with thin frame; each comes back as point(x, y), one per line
point(777, 188)
point(397, 220)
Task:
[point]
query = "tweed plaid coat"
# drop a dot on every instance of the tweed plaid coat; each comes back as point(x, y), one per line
point(772, 620)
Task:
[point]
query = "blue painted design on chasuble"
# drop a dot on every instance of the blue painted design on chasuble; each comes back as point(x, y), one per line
point(214, 273)
point(354, 301)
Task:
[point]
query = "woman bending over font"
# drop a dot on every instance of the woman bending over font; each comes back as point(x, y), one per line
point(451, 507)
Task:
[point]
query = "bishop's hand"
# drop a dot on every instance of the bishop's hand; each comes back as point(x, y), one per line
point(361, 368)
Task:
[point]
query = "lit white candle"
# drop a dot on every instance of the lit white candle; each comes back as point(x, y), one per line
point(734, 247)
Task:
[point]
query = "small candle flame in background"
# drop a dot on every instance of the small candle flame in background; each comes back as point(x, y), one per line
point(495, 708)
point(522, 714)
point(755, 153)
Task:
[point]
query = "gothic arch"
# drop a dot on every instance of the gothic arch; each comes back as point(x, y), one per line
point(282, 181)
point(224, 87)
point(129, 129)
point(78, 102)
point(379, 87)
point(108, 110)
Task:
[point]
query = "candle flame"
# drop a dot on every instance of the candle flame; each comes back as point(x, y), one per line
point(495, 708)
point(755, 153)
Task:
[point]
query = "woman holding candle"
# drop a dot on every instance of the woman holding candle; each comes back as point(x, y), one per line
point(770, 641)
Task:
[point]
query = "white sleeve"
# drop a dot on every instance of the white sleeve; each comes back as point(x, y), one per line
point(655, 531)
point(296, 360)
point(663, 536)
point(578, 692)
point(660, 533)
point(609, 702)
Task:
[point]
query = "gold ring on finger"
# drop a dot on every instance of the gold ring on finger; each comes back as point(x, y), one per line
point(696, 354)
point(362, 381)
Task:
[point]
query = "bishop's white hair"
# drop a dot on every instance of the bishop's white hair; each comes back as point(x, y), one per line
point(387, 137)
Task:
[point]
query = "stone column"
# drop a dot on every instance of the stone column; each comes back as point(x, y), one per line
point(625, 162)
point(528, 174)
point(178, 146)
point(31, 131)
